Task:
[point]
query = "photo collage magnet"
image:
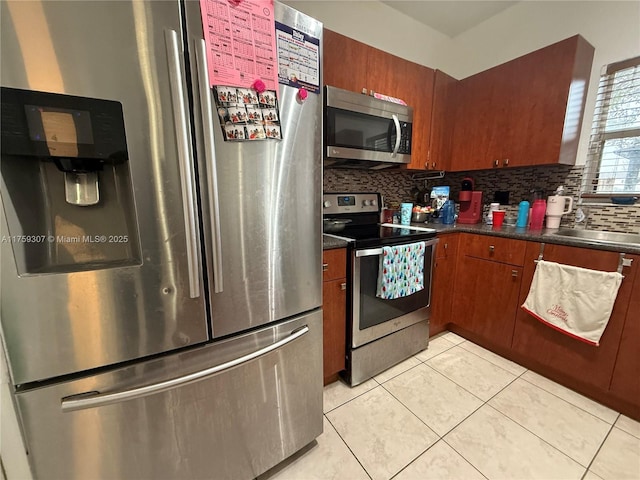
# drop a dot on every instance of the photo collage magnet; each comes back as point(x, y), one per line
point(246, 115)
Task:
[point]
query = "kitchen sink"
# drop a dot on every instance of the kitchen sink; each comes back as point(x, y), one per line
point(600, 236)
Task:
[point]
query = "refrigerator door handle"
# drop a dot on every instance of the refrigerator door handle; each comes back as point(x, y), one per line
point(95, 399)
point(210, 155)
point(185, 158)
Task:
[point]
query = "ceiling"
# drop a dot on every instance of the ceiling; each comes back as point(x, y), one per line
point(450, 17)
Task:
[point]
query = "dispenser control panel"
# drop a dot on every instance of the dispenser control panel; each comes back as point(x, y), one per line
point(85, 131)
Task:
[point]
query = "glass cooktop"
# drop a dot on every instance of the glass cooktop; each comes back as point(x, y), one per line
point(368, 236)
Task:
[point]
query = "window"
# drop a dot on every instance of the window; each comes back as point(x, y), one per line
point(613, 163)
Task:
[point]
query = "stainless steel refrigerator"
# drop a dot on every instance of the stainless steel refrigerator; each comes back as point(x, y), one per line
point(161, 287)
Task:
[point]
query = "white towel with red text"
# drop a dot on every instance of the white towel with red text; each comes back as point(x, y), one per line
point(573, 300)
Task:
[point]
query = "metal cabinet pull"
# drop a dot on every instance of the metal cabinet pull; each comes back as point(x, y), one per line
point(325, 267)
point(496, 163)
point(491, 248)
point(210, 155)
point(185, 159)
point(343, 286)
point(506, 162)
point(514, 273)
point(95, 399)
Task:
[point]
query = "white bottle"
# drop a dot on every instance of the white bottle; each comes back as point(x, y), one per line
point(492, 207)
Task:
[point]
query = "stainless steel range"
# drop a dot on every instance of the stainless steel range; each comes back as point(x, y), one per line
point(380, 332)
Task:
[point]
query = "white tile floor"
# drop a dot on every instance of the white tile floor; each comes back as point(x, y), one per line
point(458, 411)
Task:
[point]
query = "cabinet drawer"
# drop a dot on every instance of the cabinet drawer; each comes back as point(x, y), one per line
point(334, 264)
point(498, 249)
point(447, 247)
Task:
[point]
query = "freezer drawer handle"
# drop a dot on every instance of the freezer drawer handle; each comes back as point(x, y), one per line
point(86, 400)
point(210, 154)
point(180, 119)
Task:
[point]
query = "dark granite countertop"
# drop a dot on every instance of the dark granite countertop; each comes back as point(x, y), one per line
point(329, 242)
point(544, 236)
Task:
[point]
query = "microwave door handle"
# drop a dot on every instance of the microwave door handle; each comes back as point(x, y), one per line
point(185, 159)
point(210, 155)
point(398, 134)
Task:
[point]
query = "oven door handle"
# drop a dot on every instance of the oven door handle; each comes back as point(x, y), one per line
point(370, 252)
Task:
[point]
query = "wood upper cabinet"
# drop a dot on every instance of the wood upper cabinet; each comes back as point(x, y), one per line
point(556, 354)
point(354, 66)
point(625, 383)
point(488, 276)
point(444, 275)
point(418, 86)
point(524, 112)
point(344, 61)
point(334, 312)
point(442, 121)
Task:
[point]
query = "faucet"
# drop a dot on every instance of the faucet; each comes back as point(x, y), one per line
point(581, 219)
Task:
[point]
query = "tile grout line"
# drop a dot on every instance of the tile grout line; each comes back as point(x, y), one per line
point(431, 429)
point(463, 457)
point(353, 398)
point(571, 403)
point(600, 447)
point(537, 436)
point(348, 447)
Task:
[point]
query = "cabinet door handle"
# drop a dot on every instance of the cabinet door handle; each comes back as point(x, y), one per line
point(514, 273)
point(343, 286)
point(496, 163)
point(491, 248)
point(325, 267)
point(506, 162)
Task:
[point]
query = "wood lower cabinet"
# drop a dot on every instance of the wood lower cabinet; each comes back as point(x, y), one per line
point(625, 383)
point(557, 355)
point(487, 287)
point(334, 312)
point(444, 275)
point(492, 280)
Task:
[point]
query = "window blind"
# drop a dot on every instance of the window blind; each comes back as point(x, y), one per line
point(613, 162)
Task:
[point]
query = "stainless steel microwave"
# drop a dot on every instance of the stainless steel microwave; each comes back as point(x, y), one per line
point(361, 131)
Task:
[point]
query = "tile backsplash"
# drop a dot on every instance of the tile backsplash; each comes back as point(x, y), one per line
point(399, 185)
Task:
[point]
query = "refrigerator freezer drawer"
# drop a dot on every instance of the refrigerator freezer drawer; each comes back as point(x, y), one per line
point(235, 423)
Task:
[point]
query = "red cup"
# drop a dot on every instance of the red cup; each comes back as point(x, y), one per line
point(498, 218)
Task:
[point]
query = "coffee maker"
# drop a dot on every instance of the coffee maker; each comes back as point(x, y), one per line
point(470, 203)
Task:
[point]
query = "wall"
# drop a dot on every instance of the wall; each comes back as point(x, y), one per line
point(381, 26)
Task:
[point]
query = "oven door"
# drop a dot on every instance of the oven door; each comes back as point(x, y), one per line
point(374, 317)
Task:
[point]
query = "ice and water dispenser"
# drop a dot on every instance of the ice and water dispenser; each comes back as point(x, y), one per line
point(66, 185)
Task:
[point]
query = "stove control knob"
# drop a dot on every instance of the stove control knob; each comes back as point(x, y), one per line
point(366, 203)
point(326, 204)
point(373, 203)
